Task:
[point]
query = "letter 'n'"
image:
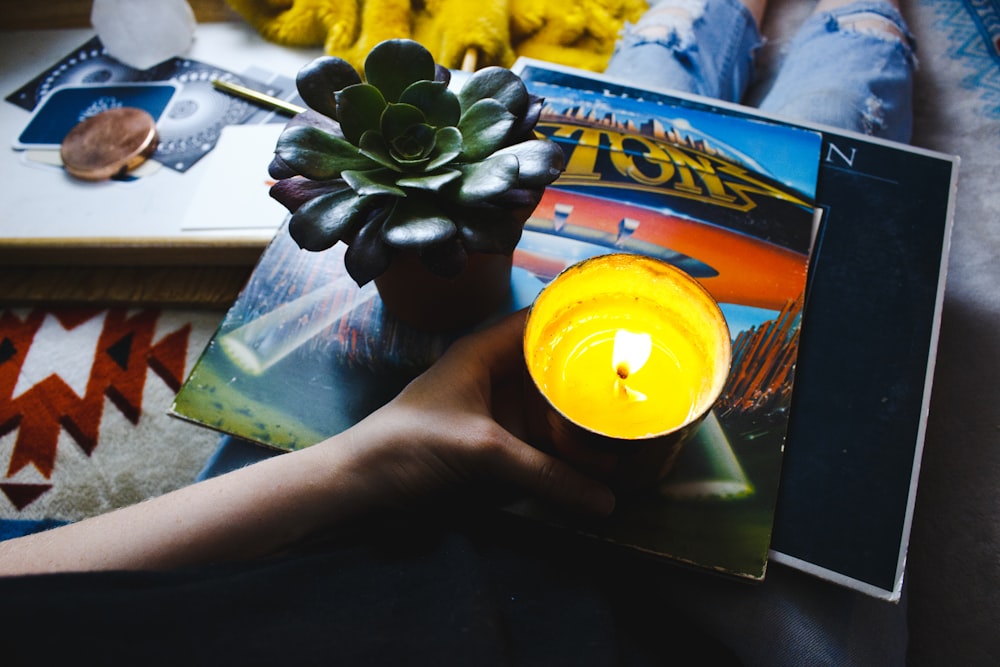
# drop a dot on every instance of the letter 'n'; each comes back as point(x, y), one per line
point(833, 150)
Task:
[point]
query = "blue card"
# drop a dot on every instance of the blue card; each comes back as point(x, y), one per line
point(64, 107)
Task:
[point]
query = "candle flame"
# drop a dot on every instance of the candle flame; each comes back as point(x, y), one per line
point(631, 352)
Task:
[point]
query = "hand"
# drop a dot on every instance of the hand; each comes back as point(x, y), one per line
point(457, 427)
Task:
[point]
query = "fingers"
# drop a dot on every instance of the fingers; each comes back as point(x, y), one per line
point(550, 479)
point(499, 350)
point(465, 409)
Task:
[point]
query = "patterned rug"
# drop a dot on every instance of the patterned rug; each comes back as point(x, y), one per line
point(83, 399)
point(971, 32)
point(983, 41)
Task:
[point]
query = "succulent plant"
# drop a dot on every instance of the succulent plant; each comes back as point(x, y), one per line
point(399, 162)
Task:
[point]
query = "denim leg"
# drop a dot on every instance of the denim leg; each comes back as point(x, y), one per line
point(704, 47)
point(851, 67)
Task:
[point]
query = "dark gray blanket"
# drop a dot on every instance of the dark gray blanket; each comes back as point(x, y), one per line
point(953, 571)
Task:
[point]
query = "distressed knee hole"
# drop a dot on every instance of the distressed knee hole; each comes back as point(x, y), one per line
point(669, 22)
point(873, 115)
point(871, 23)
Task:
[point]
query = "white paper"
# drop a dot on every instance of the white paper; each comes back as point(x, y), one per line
point(232, 192)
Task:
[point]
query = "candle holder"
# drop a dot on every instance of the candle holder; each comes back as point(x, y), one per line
point(625, 356)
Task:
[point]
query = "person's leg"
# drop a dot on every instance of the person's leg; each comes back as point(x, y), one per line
point(697, 46)
point(850, 65)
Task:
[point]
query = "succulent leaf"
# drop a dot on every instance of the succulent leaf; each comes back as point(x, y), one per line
point(447, 147)
point(294, 192)
point(524, 128)
point(319, 81)
point(495, 83)
point(516, 198)
point(323, 221)
point(372, 146)
point(539, 162)
point(442, 74)
point(367, 256)
point(359, 108)
point(398, 117)
point(315, 119)
point(396, 63)
point(484, 127)
point(308, 118)
point(317, 154)
point(380, 181)
point(415, 223)
point(279, 169)
point(439, 105)
point(430, 182)
point(491, 230)
point(486, 179)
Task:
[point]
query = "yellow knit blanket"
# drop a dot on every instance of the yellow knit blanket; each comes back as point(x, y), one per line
point(580, 33)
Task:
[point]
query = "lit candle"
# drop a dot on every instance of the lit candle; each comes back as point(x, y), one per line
point(625, 349)
point(629, 354)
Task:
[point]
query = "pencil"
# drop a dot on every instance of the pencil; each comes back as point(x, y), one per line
point(257, 97)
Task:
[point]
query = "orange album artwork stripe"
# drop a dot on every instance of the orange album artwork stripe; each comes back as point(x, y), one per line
point(750, 271)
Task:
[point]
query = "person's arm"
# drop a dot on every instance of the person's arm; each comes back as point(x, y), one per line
point(439, 435)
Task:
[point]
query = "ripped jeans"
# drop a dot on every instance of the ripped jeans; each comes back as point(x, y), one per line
point(850, 67)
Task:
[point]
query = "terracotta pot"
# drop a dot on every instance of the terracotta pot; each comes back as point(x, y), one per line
point(433, 303)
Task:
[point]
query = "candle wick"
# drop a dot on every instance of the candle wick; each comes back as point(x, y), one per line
point(622, 370)
point(626, 392)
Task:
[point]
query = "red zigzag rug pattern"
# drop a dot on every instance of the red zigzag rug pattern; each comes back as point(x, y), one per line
point(61, 369)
